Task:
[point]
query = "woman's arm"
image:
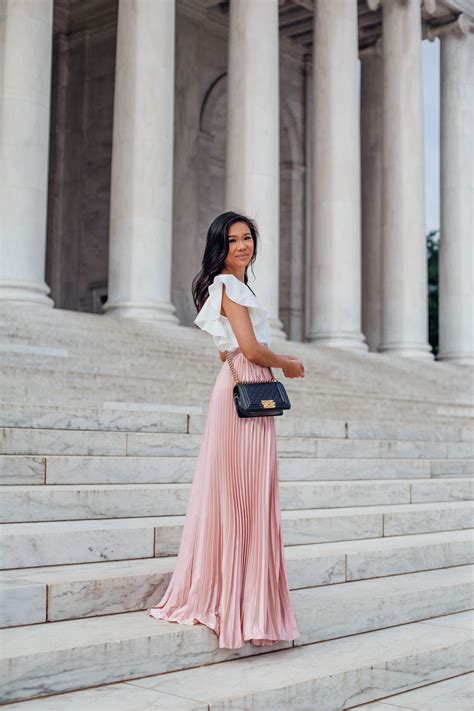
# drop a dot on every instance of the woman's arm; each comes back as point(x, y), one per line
point(242, 327)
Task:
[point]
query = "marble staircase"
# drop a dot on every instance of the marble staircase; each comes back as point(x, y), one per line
point(377, 512)
point(52, 357)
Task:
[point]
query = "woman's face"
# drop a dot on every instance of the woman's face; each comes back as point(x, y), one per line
point(240, 243)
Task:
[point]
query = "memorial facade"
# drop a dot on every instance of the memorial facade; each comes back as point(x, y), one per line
point(127, 126)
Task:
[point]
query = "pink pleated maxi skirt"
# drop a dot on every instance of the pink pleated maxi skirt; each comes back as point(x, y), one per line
point(230, 573)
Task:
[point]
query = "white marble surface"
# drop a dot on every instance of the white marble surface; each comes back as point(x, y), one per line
point(386, 448)
point(163, 445)
point(22, 470)
point(32, 544)
point(153, 407)
point(456, 257)
point(325, 563)
point(334, 317)
point(290, 426)
point(404, 281)
point(33, 350)
point(417, 518)
point(252, 148)
point(81, 653)
point(306, 669)
point(404, 554)
point(331, 675)
point(322, 494)
point(25, 95)
point(110, 587)
point(42, 543)
point(332, 611)
point(21, 602)
point(320, 526)
point(101, 589)
point(346, 385)
point(68, 502)
point(454, 694)
point(92, 419)
point(119, 470)
point(461, 449)
point(345, 468)
point(113, 697)
point(149, 444)
point(46, 441)
point(141, 193)
point(156, 417)
point(323, 525)
point(452, 489)
point(376, 430)
point(65, 655)
point(452, 467)
point(37, 441)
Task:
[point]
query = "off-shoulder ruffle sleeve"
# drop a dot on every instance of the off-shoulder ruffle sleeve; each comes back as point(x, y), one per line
point(210, 318)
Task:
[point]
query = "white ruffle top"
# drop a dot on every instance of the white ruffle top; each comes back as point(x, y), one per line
point(211, 320)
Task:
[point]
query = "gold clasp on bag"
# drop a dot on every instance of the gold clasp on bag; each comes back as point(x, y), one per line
point(268, 403)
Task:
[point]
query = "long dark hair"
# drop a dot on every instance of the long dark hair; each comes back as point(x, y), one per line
point(216, 251)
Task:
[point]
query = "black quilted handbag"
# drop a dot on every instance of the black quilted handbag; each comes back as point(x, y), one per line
point(258, 398)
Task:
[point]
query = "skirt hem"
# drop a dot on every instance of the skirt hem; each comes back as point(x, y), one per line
point(157, 614)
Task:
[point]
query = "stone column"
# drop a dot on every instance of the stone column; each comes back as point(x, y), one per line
point(404, 258)
point(252, 181)
point(142, 163)
point(371, 174)
point(456, 255)
point(335, 270)
point(25, 77)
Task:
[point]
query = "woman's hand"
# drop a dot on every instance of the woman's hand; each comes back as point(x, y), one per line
point(294, 367)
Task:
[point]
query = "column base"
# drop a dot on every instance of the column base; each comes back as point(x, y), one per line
point(27, 292)
point(420, 351)
point(143, 311)
point(456, 358)
point(277, 330)
point(350, 341)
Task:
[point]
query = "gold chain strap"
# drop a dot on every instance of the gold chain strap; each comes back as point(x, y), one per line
point(234, 374)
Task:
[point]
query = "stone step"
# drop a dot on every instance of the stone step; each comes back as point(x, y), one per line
point(340, 404)
point(27, 469)
point(335, 406)
point(81, 372)
point(38, 660)
point(84, 357)
point(20, 504)
point(334, 402)
point(24, 545)
point(68, 592)
point(455, 693)
point(31, 441)
point(64, 340)
point(146, 417)
point(84, 370)
point(78, 333)
point(328, 675)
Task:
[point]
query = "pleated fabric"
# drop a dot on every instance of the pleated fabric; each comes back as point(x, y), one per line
point(230, 572)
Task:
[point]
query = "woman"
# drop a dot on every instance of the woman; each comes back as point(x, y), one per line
point(230, 572)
